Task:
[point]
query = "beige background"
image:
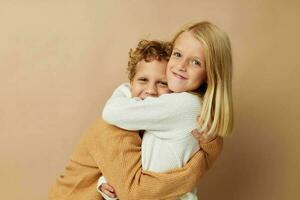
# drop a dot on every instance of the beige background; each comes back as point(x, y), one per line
point(60, 60)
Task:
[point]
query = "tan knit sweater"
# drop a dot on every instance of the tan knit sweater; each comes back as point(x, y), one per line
point(117, 154)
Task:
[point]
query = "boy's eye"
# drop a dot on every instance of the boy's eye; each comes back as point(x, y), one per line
point(163, 83)
point(176, 54)
point(142, 79)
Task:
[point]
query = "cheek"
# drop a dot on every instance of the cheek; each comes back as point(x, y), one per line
point(202, 78)
point(135, 90)
point(199, 78)
point(168, 72)
point(169, 65)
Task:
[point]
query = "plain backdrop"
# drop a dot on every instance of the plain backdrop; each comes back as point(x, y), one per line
point(61, 59)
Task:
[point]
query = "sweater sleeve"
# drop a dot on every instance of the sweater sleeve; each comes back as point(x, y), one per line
point(121, 164)
point(151, 114)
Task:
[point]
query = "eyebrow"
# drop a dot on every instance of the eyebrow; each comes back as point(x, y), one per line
point(202, 62)
point(195, 57)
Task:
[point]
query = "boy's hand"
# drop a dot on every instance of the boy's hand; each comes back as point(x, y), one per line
point(108, 190)
point(203, 138)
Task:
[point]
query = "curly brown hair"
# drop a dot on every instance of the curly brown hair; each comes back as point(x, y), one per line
point(148, 51)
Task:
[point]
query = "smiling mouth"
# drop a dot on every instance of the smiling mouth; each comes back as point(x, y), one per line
point(179, 76)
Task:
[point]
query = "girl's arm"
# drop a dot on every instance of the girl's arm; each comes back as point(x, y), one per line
point(160, 113)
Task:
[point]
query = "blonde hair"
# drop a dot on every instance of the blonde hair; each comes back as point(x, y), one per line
point(216, 117)
point(148, 50)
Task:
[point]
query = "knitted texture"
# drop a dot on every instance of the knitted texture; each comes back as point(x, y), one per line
point(167, 121)
point(116, 153)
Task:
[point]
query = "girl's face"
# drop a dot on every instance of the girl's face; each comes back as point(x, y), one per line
point(186, 67)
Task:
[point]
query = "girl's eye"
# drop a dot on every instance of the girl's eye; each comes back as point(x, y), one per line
point(196, 62)
point(176, 54)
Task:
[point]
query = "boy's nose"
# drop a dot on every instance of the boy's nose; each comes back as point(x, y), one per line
point(151, 90)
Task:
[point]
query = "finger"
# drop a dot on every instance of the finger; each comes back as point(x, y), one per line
point(195, 133)
point(108, 187)
point(200, 139)
point(108, 193)
point(208, 138)
point(200, 120)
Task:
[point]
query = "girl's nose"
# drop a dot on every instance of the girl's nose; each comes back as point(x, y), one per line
point(181, 66)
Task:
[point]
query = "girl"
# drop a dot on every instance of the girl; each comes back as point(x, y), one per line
point(199, 74)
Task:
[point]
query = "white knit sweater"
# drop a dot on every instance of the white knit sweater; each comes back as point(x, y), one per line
point(168, 122)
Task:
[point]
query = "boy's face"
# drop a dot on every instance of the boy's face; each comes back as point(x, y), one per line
point(150, 79)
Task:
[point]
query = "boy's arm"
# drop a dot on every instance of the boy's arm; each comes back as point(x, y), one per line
point(117, 154)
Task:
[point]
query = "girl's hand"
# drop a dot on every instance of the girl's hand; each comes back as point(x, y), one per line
point(203, 138)
point(108, 190)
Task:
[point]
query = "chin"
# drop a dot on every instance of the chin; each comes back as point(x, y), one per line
point(175, 89)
